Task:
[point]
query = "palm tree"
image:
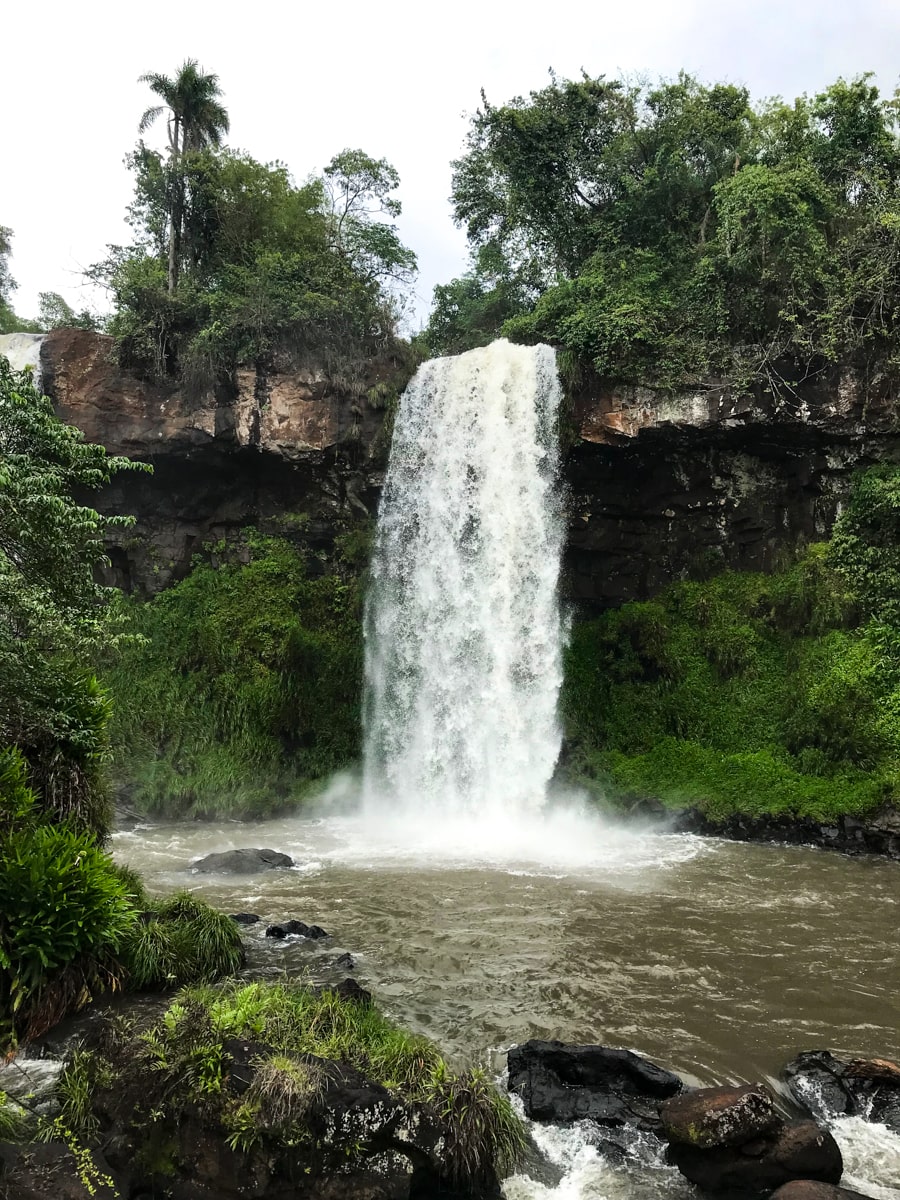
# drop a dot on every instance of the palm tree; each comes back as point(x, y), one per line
point(196, 120)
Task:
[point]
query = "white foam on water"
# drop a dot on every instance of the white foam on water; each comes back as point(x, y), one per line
point(871, 1157)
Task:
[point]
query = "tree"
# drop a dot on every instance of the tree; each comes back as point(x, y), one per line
point(53, 612)
point(196, 120)
point(56, 313)
point(359, 189)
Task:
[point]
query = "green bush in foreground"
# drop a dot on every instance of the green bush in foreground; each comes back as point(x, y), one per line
point(178, 941)
point(64, 912)
point(181, 1065)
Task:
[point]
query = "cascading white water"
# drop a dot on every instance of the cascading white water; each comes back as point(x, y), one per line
point(23, 351)
point(464, 633)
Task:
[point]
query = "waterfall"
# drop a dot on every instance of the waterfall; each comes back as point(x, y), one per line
point(464, 633)
point(23, 350)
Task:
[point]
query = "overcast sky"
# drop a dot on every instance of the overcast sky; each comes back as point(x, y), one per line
point(304, 80)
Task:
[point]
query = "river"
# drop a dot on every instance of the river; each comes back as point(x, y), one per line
point(719, 960)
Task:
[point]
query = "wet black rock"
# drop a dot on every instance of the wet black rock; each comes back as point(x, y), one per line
point(242, 862)
point(37, 1172)
point(830, 1087)
point(298, 929)
point(349, 989)
point(719, 1116)
point(559, 1082)
point(807, 1189)
point(878, 834)
point(346, 962)
point(243, 918)
point(798, 1150)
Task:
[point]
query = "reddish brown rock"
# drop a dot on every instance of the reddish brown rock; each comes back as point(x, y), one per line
point(719, 1116)
point(807, 1189)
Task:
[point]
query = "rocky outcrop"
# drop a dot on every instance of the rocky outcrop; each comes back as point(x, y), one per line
point(560, 1082)
point(830, 1087)
point(878, 833)
point(659, 486)
point(278, 450)
point(663, 486)
point(731, 1141)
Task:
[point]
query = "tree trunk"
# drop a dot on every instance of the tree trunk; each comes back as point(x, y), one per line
point(175, 213)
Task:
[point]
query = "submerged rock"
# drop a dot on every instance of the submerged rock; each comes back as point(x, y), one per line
point(719, 1116)
point(559, 1082)
point(242, 862)
point(829, 1087)
point(796, 1151)
point(243, 918)
point(298, 929)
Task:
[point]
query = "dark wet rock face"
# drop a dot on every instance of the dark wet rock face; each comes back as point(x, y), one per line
point(830, 1087)
point(242, 862)
point(807, 1189)
point(798, 1150)
point(39, 1172)
point(722, 1116)
point(559, 1082)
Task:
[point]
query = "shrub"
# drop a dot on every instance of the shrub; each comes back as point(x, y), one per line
point(64, 912)
point(180, 941)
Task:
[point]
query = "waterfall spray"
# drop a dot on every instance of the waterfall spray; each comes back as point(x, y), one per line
point(464, 634)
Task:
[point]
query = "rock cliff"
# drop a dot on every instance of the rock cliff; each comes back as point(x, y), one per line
point(658, 486)
point(275, 451)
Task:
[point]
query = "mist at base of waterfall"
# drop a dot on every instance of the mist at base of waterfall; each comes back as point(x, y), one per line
point(568, 835)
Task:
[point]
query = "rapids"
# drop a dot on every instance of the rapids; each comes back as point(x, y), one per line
point(719, 960)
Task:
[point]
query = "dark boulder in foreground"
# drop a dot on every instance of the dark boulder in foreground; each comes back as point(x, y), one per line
point(37, 1172)
point(798, 1150)
point(559, 1082)
point(242, 862)
point(830, 1087)
point(719, 1116)
point(807, 1189)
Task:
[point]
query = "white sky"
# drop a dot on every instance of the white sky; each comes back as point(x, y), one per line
point(302, 81)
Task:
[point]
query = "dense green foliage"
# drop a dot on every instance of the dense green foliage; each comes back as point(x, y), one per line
point(233, 262)
point(9, 322)
point(752, 693)
point(64, 912)
point(248, 686)
point(182, 1062)
point(179, 941)
point(678, 234)
point(53, 613)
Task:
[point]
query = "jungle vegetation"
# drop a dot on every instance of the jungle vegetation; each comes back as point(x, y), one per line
point(679, 234)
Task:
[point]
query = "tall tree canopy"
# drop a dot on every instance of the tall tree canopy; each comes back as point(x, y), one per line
point(196, 120)
point(679, 233)
point(233, 261)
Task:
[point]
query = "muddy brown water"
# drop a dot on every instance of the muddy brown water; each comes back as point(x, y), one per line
point(717, 959)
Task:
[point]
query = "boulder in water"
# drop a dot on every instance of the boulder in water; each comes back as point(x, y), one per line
point(719, 1116)
point(559, 1082)
point(799, 1150)
point(242, 862)
point(243, 918)
point(297, 929)
point(829, 1087)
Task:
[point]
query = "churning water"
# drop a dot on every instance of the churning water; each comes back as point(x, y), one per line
point(463, 628)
